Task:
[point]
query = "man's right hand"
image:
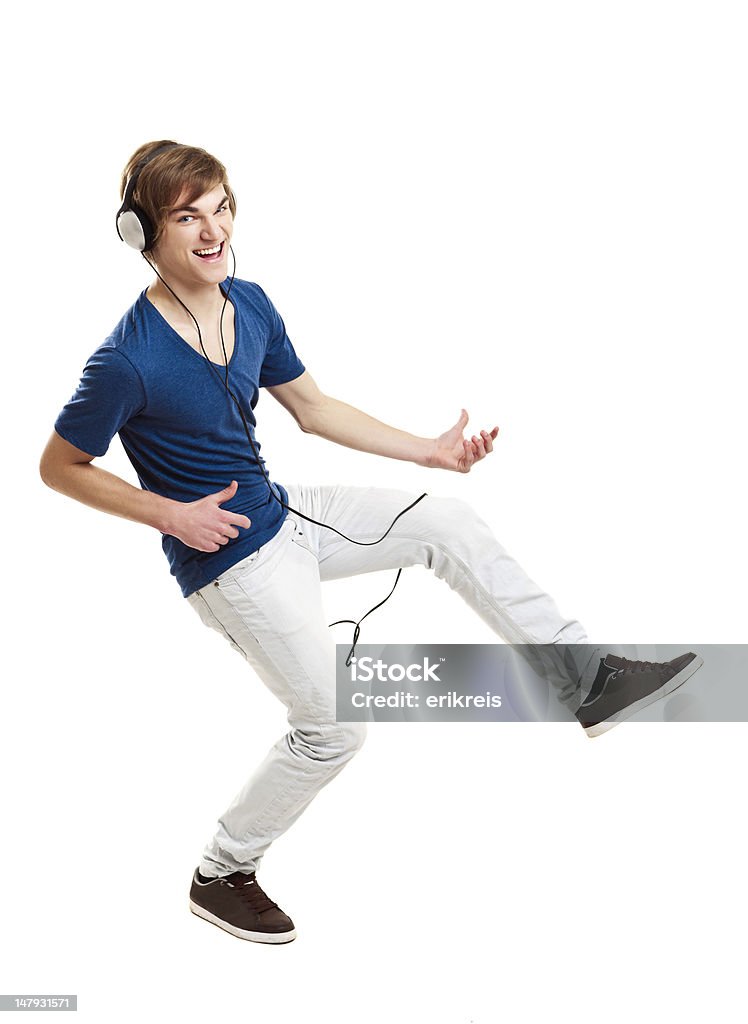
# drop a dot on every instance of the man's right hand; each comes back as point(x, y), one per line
point(203, 524)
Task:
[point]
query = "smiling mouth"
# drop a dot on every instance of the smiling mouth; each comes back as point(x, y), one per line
point(213, 253)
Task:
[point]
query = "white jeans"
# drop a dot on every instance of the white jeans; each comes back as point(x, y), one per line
point(269, 607)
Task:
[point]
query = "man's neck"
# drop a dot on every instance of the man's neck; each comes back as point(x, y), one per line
point(204, 302)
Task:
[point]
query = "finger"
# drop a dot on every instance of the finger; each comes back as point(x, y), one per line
point(468, 458)
point(239, 520)
point(487, 441)
point(494, 433)
point(480, 450)
point(230, 531)
point(227, 492)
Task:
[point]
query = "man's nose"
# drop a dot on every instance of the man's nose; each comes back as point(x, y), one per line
point(211, 228)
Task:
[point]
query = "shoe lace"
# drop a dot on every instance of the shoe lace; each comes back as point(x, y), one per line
point(636, 666)
point(251, 893)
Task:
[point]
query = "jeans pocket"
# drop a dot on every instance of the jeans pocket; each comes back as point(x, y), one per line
point(238, 569)
point(299, 538)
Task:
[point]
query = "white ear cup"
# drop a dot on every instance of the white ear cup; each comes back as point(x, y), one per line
point(131, 230)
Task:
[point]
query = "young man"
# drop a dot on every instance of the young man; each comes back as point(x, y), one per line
point(178, 379)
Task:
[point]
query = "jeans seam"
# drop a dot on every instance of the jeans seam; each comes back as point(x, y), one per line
point(282, 640)
point(306, 771)
point(474, 580)
point(221, 626)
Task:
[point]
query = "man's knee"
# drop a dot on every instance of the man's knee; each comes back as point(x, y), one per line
point(332, 746)
point(450, 517)
point(354, 734)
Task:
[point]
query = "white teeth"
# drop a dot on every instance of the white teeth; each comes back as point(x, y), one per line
point(207, 252)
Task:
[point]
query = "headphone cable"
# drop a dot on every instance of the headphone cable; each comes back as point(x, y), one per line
point(260, 462)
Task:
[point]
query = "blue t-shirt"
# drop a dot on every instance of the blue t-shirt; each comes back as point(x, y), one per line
point(181, 431)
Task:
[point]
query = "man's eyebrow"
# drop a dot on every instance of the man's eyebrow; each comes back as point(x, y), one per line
point(194, 209)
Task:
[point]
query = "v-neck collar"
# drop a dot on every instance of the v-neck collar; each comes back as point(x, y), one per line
point(175, 334)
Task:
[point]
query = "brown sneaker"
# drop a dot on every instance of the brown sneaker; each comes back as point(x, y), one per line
point(623, 687)
point(237, 904)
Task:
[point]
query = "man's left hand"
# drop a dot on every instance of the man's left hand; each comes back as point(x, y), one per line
point(452, 450)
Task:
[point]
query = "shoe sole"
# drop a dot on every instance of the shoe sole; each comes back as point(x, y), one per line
point(632, 709)
point(268, 937)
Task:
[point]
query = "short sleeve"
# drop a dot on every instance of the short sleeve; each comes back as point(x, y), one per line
point(281, 364)
point(109, 394)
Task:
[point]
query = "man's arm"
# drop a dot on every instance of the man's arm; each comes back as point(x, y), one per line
point(201, 524)
point(317, 413)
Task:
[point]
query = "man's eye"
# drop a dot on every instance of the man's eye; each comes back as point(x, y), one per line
point(183, 220)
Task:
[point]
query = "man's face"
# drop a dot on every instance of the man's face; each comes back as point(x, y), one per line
point(194, 245)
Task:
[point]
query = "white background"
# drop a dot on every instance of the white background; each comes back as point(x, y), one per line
point(535, 210)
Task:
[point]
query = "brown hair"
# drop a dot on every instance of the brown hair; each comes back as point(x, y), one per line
point(165, 177)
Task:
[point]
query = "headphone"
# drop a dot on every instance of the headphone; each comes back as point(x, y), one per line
point(134, 226)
